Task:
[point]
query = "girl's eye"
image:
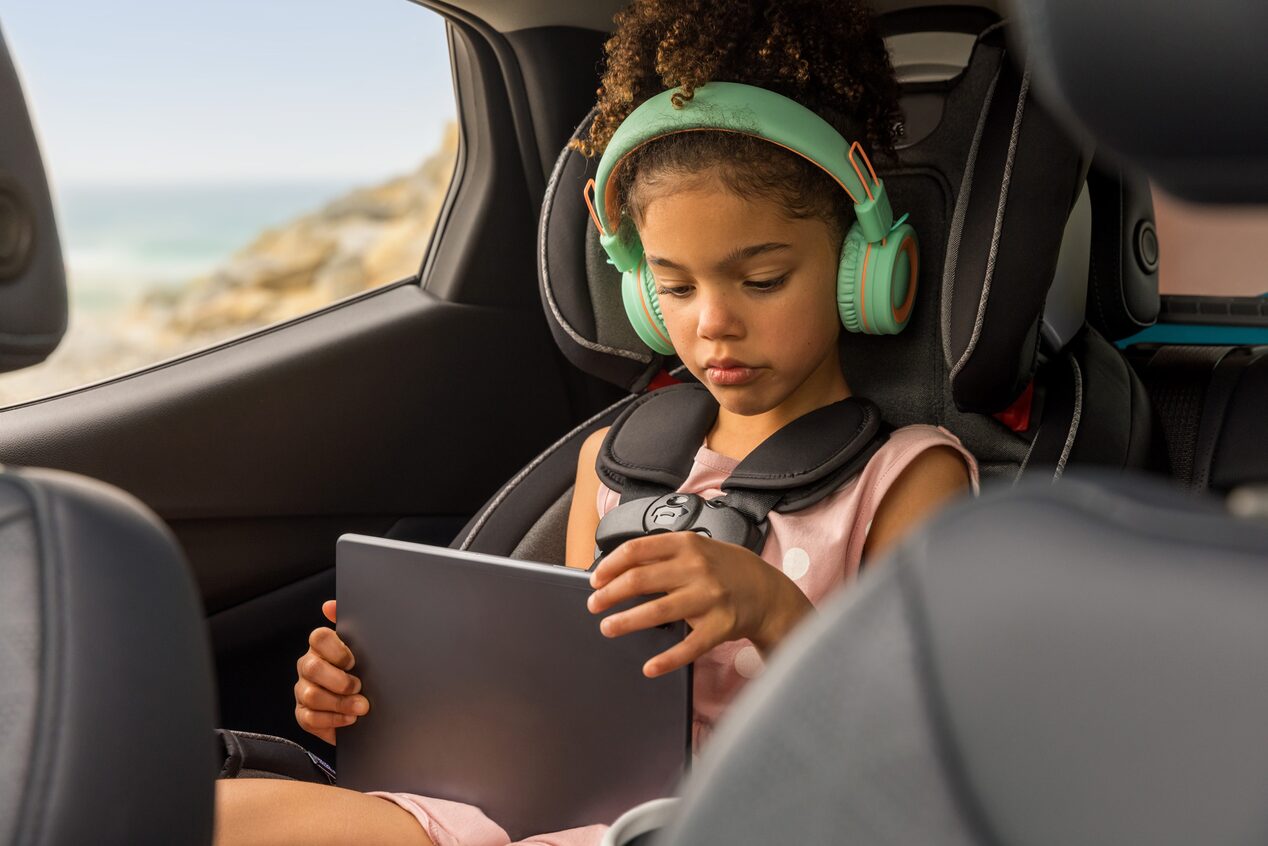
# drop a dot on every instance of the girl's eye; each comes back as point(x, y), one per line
point(765, 285)
point(673, 290)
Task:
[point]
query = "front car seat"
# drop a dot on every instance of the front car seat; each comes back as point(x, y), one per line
point(106, 705)
point(1080, 663)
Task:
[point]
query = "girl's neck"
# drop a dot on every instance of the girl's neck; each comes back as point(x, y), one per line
point(736, 435)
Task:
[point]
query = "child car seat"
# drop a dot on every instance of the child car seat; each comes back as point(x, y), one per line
point(984, 327)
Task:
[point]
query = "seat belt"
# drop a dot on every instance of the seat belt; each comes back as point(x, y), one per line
point(650, 449)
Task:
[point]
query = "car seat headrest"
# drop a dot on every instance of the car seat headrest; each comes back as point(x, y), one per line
point(1175, 91)
point(995, 240)
point(580, 291)
point(108, 694)
point(32, 276)
point(1123, 281)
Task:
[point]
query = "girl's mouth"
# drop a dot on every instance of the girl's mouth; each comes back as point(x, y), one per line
point(730, 376)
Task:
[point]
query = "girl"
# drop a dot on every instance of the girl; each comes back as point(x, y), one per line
point(743, 239)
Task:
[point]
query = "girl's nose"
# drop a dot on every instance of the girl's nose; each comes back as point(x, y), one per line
point(717, 317)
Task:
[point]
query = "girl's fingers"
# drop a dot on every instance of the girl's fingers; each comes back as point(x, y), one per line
point(691, 647)
point(328, 609)
point(633, 553)
point(655, 612)
point(310, 719)
point(642, 580)
point(313, 668)
point(319, 699)
point(327, 644)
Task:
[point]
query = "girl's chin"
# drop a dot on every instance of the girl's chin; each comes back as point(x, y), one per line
point(745, 401)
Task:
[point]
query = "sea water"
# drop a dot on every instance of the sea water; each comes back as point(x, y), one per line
point(120, 241)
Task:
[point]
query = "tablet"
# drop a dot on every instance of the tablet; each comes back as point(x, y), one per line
point(490, 684)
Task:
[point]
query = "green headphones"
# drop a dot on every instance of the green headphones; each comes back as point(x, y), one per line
point(876, 279)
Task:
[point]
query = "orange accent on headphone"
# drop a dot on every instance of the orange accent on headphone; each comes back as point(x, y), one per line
point(642, 299)
point(587, 192)
point(858, 172)
point(909, 247)
point(863, 286)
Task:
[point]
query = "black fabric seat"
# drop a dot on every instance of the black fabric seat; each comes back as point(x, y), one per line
point(107, 692)
point(990, 181)
point(1100, 688)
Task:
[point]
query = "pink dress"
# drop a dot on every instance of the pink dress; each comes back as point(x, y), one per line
point(819, 548)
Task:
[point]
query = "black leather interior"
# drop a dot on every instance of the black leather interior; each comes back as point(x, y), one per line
point(107, 695)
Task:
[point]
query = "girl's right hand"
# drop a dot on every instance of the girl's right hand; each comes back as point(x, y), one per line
point(327, 696)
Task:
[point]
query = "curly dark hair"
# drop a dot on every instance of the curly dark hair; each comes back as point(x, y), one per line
point(824, 54)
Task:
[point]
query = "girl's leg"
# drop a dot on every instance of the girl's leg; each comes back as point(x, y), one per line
point(274, 812)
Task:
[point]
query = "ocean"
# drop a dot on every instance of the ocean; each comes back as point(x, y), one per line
point(120, 241)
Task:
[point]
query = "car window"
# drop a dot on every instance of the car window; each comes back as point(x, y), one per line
point(1216, 251)
point(219, 167)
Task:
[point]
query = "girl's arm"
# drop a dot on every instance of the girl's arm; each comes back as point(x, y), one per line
point(583, 516)
point(924, 486)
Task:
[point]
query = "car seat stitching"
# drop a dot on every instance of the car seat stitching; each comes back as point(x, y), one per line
point(547, 206)
point(531, 466)
point(999, 224)
point(52, 683)
point(1074, 420)
point(1026, 458)
point(957, 221)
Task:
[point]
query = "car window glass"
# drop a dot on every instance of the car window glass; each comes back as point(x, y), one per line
point(1216, 251)
point(219, 167)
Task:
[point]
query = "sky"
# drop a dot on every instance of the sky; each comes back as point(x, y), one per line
point(140, 92)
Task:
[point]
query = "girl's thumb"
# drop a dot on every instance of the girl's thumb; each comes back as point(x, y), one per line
point(328, 608)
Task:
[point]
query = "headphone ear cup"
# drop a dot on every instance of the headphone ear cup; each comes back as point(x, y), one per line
point(849, 286)
point(642, 307)
point(876, 281)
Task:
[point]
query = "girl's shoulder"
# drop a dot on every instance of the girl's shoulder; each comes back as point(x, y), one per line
point(907, 444)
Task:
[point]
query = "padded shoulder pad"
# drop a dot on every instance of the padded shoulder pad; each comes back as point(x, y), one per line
point(668, 427)
point(655, 441)
point(811, 447)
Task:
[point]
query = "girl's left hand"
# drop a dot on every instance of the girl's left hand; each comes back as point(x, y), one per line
point(723, 591)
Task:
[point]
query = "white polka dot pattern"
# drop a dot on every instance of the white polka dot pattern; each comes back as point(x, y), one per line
point(796, 563)
point(748, 662)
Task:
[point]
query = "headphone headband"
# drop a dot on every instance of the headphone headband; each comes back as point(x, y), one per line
point(749, 110)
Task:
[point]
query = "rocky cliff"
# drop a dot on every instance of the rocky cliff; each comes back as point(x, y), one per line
point(366, 238)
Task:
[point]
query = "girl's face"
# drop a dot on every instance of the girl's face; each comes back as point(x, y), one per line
point(748, 296)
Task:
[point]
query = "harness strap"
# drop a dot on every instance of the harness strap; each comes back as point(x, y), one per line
point(651, 446)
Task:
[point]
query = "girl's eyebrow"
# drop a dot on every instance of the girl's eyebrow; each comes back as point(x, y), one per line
point(735, 257)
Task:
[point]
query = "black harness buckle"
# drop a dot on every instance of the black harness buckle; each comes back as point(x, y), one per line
point(679, 512)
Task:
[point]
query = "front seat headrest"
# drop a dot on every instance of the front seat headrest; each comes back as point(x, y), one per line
point(1177, 89)
point(1123, 273)
point(1042, 666)
point(32, 276)
point(107, 694)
